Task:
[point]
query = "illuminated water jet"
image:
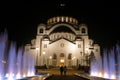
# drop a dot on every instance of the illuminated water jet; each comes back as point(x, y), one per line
point(14, 63)
point(106, 66)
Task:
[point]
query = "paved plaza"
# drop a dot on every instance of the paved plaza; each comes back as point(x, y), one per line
point(55, 74)
point(56, 71)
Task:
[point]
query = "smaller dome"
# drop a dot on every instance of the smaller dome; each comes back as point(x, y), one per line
point(62, 19)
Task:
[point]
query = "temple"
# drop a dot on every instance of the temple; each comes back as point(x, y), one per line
point(63, 41)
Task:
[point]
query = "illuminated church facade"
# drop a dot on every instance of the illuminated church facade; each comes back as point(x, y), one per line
point(63, 41)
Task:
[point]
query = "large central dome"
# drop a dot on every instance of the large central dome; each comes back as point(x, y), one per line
point(62, 19)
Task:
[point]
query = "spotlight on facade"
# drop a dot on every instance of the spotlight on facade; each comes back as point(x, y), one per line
point(44, 53)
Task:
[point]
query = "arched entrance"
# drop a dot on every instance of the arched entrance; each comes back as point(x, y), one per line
point(62, 61)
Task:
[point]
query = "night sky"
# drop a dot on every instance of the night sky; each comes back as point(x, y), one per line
point(21, 18)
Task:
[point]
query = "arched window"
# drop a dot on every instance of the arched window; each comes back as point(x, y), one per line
point(70, 56)
point(54, 56)
point(83, 30)
point(41, 31)
point(62, 55)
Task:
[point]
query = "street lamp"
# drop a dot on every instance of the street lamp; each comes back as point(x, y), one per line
point(44, 57)
point(37, 49)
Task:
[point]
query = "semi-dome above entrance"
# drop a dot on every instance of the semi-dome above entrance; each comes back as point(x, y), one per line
point(62, 19)
point(62, 29)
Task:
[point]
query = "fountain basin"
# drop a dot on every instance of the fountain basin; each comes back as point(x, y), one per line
point(40, 76)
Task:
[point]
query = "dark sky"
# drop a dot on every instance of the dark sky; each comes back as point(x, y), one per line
point(21, 18)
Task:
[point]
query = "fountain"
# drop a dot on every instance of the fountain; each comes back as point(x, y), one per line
point(118, 61)
point(108, 66)
point(14, 63)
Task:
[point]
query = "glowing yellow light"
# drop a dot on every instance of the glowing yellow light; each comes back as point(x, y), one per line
point(50, 57)
point(37, 48)
point(100, 74)
point(43, 52)
point(61, 60)
point(86, 49)
point(73, 57)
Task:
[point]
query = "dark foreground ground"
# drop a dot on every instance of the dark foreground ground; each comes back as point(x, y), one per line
point(67, 77)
